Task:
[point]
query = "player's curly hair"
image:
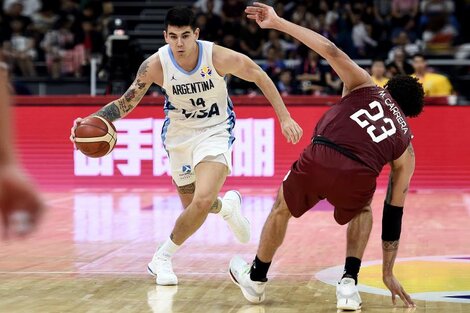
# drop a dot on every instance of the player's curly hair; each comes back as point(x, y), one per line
point(408, 93)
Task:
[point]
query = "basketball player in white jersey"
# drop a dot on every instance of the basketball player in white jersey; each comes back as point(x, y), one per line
point(197, 132)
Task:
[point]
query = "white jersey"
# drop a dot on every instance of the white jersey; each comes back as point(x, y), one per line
point(195, 101)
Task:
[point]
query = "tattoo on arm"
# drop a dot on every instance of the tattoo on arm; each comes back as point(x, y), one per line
point(390, 245)
point(110, 112)
point(187, 189)
point(143, 68)
point(124, 106)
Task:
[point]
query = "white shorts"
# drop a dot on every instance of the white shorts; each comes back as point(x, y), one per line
point(210, 145)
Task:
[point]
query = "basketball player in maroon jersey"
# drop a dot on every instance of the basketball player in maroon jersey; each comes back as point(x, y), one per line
point(352, 142)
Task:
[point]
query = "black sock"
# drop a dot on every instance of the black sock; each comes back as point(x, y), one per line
point(259, 270)
point(351, 269)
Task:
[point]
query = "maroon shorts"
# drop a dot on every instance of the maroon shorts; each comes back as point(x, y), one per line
point(320, 173)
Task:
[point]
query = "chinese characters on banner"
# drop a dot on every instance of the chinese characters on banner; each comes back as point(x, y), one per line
point(139, 141)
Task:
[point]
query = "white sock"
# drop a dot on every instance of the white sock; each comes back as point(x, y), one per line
point(167, 249)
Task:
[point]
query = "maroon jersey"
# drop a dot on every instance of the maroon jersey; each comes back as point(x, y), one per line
point(368, 123)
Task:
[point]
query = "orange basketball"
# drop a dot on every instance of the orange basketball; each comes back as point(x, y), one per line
point(95, 136)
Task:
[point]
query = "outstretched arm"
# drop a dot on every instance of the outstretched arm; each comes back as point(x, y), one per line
point(227, 61)
point(148, 71)
point(400, 176)
point(352, 75)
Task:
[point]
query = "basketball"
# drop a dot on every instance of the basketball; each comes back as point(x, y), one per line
point(95, 136)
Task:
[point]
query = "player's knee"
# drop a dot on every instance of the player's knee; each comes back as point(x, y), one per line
point(202, 204)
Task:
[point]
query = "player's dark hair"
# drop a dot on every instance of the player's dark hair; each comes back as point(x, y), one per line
point(408, 93)
point(180, 17)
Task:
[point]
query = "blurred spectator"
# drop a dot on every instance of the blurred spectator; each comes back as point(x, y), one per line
point(377, 72)
point(89, 39)
point(29, 6)
point(404, 14)
point(285, 85)
point(251, 40)
point(232, 10)
point(275, 41)
point(229, 41)
point(61, 55)
point(361, 36)
point(309, 74)
point(439, 32)
point(402, 41)
point(44, 20)
point(302, 16)
point(69, 9)
point(203, 6)
point(334, 84)
point(274, 64)
point(433, 84)
point(399, 64)
point(15, 12)
point(19, 50)
point(105, 18)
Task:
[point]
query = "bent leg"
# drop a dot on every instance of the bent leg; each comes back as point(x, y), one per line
point(210, 176)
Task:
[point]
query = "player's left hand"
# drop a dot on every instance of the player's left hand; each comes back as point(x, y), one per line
point(397, 290)
point(21, 206)
point(291, 130)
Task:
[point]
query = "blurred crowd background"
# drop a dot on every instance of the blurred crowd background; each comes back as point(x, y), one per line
point(57, 39)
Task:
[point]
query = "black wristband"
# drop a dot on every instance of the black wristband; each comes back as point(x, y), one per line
point(391, 222)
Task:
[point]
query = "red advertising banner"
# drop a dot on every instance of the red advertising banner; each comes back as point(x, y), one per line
point(261, 154)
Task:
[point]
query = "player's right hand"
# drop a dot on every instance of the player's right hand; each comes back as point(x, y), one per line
point(397, 290)
point(263, 14)
point(76, 122)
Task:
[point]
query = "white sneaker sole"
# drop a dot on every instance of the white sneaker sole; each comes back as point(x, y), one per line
point(247, 296)
point(348, 305)
point(161, 282)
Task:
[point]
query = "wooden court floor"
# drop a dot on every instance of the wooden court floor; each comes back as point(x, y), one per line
point(91, 251)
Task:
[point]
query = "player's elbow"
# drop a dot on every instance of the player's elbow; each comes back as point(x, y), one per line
point(331, 50)
point(258, 76)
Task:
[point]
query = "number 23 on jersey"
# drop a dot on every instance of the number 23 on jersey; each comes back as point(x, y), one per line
point(363, 117)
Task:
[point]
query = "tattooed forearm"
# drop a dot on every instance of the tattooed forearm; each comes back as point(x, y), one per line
point(141, 85)
point(390, 245)
point(129, 95)
point(187, 189)
point(110, 112)
point(124, 106)
point(143, 68)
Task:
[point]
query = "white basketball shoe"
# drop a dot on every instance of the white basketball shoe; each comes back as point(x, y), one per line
point(239, 270)
point(231, 213)
point(347, 295)
point(162, 269)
